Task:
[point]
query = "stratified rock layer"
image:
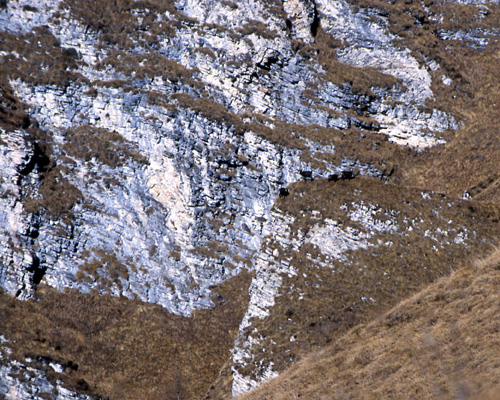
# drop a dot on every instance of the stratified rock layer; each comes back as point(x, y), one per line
point(148, 150)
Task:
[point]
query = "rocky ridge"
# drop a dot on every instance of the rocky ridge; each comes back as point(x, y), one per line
point(33, 383)
point(156, 134)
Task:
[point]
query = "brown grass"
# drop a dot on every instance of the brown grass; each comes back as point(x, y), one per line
point(110, 148)
point(209, 109)
point(106, 270)
point(359, 80)
point(470, 160)
point(206, 51)
point(140, 66)
point(12, 114)
point(275, 8)
point(56, 196)
point(211, 249)
point(258, 28)
point(126, 349)
point(117, 25)
point(107, 336)
point(441, 343)
point(41, 58)
point(363, 146)
point(320, 303)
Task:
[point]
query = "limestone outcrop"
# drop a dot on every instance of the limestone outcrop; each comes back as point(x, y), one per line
point(157, 137)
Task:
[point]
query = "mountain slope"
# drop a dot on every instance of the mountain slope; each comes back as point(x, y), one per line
point(440, 343)
point(270, 172)
point(105, 346)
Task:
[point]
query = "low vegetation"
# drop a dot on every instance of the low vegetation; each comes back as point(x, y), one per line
point(110, 148)
point(38, 58)
point(359, 80)
point(469, 162)
point(326, 297)
point(257, 28)
point(105, 269)
point(209, 109)
point(55, 196)
point(118, 25)
point(125, 349)
point(141, 66)
point(362, 146)
point(12, 114)
point(437, 344)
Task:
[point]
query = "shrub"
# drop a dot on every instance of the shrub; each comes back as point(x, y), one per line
point(110, 148)
point(258, 28)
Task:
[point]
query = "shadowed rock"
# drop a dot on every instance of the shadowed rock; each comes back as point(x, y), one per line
point(307, 175)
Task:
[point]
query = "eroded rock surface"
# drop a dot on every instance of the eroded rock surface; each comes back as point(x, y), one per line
point(157, 138)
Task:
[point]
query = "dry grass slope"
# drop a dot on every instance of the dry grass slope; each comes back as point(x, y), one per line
point(124, 349)
point(441, 343)
point(327, 297)
point(469, 161)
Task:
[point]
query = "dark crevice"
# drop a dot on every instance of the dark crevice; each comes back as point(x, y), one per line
point(266, 65)
point(37, 271)
point(33, 232)
point(316, 22)
point(25, 123)
point(39, 159)
point(283, 192)
point(307, 175)
point(18, 293)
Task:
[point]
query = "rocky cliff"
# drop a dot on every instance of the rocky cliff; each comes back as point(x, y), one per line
point(154, 151)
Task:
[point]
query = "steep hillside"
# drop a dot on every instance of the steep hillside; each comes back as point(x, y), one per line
point(342, 253)
point(102, 346)
point(215, 189)
point(440, 343)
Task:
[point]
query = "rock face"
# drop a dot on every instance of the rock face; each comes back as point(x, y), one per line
point(31, 384)
point(157, 138)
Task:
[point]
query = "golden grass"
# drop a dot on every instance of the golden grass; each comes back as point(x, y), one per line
point(320, 303)
point(441, 343)
point(126, 349)
point(470, 161)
